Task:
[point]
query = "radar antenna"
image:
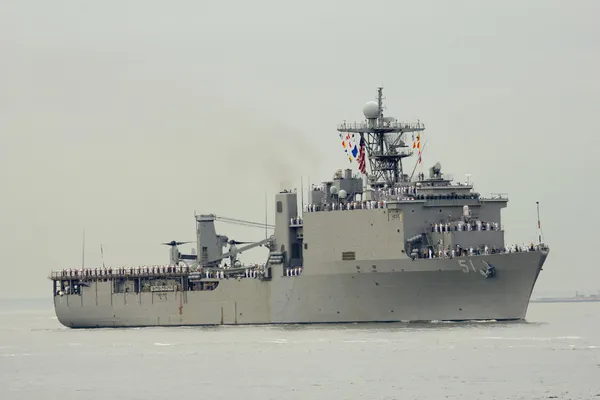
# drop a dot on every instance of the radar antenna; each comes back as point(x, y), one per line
point(385, 142)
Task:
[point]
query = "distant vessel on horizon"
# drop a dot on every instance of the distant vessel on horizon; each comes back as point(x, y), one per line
point(578, 298)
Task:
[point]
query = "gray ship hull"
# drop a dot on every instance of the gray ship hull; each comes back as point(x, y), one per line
point(448, 289)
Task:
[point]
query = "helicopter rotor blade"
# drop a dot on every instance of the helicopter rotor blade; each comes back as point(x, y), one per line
point(236, 242)
point(174, 243)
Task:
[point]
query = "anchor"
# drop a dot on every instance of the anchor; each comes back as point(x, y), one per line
point(490, 272)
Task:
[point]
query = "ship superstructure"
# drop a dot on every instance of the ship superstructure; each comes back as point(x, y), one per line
point(377, 246)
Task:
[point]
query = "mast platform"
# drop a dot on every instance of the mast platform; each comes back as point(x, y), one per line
point(385, 127)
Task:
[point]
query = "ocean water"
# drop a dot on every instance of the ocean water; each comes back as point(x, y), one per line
point(555, 354)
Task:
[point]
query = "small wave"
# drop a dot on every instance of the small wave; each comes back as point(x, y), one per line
point(516, 338)
point(15, 355)
point(163, 344)
point(277, 341)
point(568, 337)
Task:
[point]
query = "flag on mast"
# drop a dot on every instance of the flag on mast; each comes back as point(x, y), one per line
point(362, 166)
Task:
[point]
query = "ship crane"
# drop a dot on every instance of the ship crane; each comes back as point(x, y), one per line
point(243, 222)
point(210, 244)
point(234, 250)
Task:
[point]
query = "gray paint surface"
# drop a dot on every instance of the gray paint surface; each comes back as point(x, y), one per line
point(394, 290)
point(352, 251)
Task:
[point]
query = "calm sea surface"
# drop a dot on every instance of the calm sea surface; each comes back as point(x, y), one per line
point(555, 354)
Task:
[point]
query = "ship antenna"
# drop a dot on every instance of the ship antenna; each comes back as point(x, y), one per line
point(102, 255)
point(83, 251)
point(380, 104)
point(301, 197)
point(266, 217)
point(539, 224)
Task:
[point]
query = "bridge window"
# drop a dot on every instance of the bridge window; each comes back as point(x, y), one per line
point(279, 207)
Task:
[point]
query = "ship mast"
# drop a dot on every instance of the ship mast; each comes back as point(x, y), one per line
point(385, 142)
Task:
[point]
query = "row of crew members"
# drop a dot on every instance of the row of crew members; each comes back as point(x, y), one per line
point(124, 271)
point(351, 205)
point(395, 191)
point(220, 274)
point(251, 273)
point(392, 198)
point(296, 271)
point(465, 226)
point(459, 251)
point(522, 248)
point(296, 221)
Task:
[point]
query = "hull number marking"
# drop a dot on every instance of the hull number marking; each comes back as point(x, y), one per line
point(467, 267)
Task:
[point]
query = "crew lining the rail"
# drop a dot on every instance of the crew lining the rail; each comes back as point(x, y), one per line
point(459, 251)
point(476, 225)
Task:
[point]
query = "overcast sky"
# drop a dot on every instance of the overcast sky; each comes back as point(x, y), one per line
point(123, 117)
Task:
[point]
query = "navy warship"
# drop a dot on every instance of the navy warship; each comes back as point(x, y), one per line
point(382, 244)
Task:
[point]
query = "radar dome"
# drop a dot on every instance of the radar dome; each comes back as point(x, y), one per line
point(342, 194)
point(371, 110)
point(333, 190)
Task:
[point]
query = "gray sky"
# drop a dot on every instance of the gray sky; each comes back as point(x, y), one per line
point(123, 117)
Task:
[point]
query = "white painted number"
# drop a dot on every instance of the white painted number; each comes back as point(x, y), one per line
point(466, 267)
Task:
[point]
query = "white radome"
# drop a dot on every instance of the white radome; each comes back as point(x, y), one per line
point(371, 110)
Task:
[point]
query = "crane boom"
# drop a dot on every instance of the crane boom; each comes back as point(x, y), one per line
point(241, 249)
point(243, 222)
